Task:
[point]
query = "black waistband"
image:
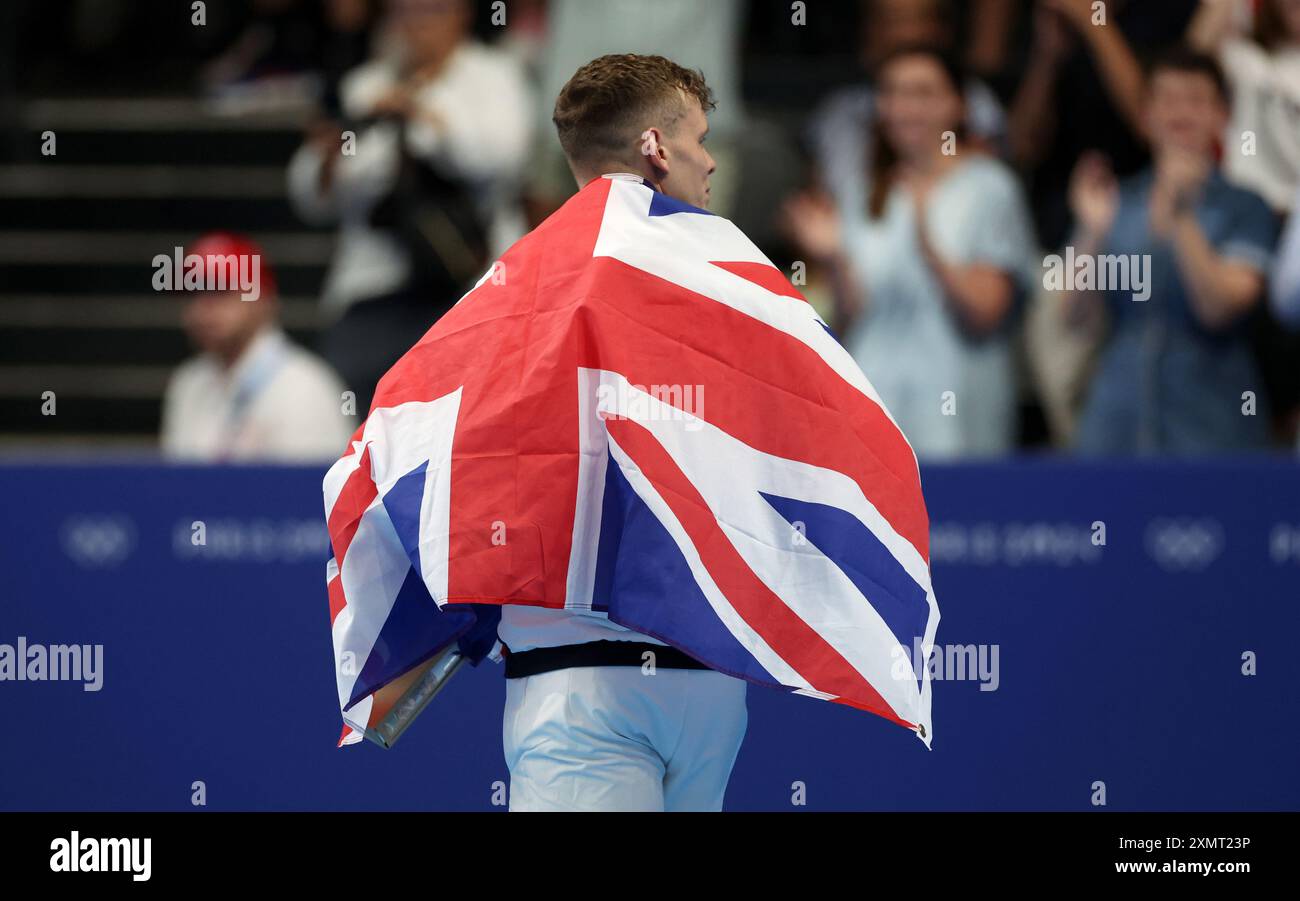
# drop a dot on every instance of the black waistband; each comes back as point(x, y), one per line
point(596, 653)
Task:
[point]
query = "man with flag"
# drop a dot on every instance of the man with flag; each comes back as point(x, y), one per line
point(540, 479)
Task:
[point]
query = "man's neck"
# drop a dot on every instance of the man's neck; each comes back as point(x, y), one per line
point(628, 175)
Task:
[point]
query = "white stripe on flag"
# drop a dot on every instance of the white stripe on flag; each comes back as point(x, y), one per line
point(372, 574)
point(593, 458)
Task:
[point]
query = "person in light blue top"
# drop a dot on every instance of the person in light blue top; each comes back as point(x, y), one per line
point(930, 271)
point(1177, 373)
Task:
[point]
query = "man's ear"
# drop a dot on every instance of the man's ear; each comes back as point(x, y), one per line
point(650, 147)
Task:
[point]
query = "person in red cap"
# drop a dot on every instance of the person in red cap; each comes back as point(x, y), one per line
point(250, 394)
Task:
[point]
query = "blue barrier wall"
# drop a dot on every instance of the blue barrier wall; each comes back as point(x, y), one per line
point(1119, 663)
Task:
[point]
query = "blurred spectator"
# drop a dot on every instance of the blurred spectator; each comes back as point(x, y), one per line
point(1286, 302)
point(525, 37)
point(442, 125)
point(1285, 295)
point(250, 394)
point(1175, 367)
point(1081, 90)
point(841, 128)
point(928, 272)
point(703, 36)
point(1286, 274)
point(346, 44)
point(1262, 141)
point(1060, 356)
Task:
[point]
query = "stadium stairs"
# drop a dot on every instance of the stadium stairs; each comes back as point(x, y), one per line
point(78, 232)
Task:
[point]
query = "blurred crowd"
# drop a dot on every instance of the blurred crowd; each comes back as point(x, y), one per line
point(1032, 222)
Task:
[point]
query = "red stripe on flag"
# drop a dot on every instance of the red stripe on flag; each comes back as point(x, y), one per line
point(337, 600)
point(761, 274)
point(357, 494)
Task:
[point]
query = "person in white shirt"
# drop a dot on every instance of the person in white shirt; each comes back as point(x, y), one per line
point(422, 178)
point(250, 395)
point(1258, 45)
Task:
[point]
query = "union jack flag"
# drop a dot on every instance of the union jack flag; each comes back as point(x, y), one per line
point(635, 412)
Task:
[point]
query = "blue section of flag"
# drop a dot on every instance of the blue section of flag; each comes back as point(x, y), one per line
point(478, 642)
point(860, 555)
point(663, 205)
point(414, 631)
point(645, 583)
point(402, 503)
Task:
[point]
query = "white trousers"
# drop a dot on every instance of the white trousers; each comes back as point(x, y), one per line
point(615, 738)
